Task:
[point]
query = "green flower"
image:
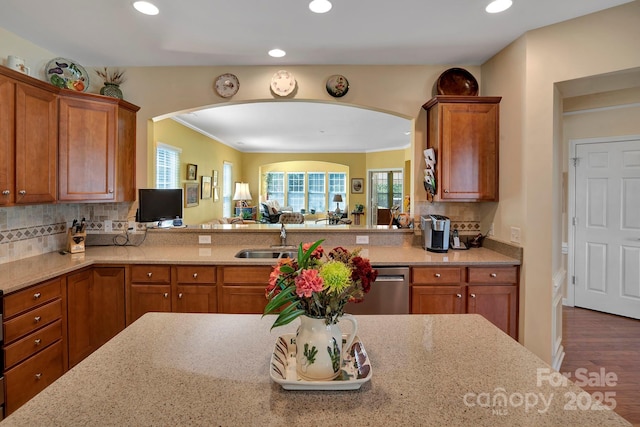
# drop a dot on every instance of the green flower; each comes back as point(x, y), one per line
point(336, 276)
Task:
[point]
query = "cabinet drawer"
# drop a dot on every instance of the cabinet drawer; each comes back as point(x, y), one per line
point(32, 320)
point(493, 274)
point(32, 343)
point(437, 275)
point(247, 275)
point(194, 274)
point(32, 297)
point(32, 376)
point(151, 274)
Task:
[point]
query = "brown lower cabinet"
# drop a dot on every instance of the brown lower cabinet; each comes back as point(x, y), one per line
point(166, 288)
point(489, 291)
point(34, 338)
point(96, 309)
point(242, 289)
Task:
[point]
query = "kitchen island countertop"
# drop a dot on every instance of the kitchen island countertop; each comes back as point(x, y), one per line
point(213, 369)
point(23, 273)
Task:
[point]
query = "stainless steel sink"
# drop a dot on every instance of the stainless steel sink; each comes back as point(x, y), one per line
point(265, 253)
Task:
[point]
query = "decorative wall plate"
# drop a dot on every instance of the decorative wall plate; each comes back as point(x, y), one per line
point(226, 85)
point(337, 85)
point(283, 83)
point(67, 74)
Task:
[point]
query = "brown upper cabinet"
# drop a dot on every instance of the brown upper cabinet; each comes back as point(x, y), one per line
point(28, 140)
point(464, 132)
point(97, 148)
point(61, 145)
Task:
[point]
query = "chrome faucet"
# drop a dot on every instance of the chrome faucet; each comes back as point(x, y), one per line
point(283, 236)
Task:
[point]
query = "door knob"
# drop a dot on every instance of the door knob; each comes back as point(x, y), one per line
point(195, 275)
point(472, 295)
point(493, 275)
point(6, 192)
point(437, 274)
point(458, 295)
point(149, 275)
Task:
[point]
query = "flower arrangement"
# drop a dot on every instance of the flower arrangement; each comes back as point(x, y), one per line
point(318, 285)
point(115, 77)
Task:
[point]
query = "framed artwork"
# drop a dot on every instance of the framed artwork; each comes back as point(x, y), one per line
point(215, 194)
point(205, 187)
point(191, 194)
point(215, 178)
point(192, 172)
point(357, 185)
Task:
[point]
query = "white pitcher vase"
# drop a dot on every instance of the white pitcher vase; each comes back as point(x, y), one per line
point(319, 348)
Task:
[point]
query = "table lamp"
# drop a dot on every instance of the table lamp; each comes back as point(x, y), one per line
point(338, 199)
point(242, 193)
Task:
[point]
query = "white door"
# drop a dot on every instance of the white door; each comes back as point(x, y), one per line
point(607, 227)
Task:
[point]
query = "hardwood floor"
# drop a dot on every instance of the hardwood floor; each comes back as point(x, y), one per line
point(593, 340)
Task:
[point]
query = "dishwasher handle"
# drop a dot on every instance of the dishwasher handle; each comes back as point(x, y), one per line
point(392, 278)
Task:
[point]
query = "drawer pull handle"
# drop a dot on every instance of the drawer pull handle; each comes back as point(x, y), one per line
point(37, 295)
point(37, 319)
point(166, 295)
point(458, 295)
point(446, 191)
point(22, 192)
point(180, 295)
point(149, 275)
point(195, 275)
point(38, 341)
point(38, 376)
point(493, 275)
point(437, 275)
point(473, 295)
point(6, 192)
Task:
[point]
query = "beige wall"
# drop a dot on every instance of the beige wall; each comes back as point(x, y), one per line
point(202, 151)
point(525, 74)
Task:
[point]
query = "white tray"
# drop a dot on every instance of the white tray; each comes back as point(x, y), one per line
point(355, 371)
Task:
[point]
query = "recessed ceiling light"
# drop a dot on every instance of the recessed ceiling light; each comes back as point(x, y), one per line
point(146, 8)
point(277, 53)
point(320, 6)
point(497, 6)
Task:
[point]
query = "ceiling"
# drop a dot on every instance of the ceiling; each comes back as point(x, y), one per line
point(216, 33)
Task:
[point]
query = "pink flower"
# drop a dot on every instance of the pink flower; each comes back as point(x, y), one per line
point(308, 282)
point(317, 252)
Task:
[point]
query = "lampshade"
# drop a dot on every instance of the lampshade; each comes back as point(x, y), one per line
point(337, 198)
point(242, 191)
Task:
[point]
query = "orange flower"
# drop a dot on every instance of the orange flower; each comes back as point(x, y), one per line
point(308, 282)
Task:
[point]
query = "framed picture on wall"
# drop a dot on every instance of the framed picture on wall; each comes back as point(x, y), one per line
point(191, 194)
point(215, 178)
point(357, 185)
point(192, 172)
point(205, 187)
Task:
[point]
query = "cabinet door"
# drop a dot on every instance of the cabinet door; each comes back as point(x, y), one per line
point(469, 157)
point(196, 299)
point(437, 299)
point(126, 155)
point(497, 303)
point(243, 289)
point(87, 149)
point(243, 299)
point(146, 298)
point(96, 310)
point(7, 140)
point(36, 145)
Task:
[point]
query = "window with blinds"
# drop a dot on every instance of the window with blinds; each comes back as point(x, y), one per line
point(167, 166)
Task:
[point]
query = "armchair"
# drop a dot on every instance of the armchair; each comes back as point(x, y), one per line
point(267, 215)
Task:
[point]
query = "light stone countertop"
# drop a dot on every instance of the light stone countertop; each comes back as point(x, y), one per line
point(172, 369)
point(22, 273)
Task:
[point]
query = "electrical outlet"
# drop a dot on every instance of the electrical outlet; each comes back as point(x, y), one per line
point(204, 240)
point(491, 232)
point(108, 225)
point(362, 240)
point(515, 234)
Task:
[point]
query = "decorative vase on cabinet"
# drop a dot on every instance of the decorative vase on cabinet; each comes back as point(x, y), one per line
point(111, 89)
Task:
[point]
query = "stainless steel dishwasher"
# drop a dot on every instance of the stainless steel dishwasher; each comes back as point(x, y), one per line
point(389, 294)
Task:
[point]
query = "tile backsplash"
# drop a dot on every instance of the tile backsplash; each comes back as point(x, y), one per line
point(31, 230)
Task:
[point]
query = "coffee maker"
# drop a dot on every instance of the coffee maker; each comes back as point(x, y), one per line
point(435, 233)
